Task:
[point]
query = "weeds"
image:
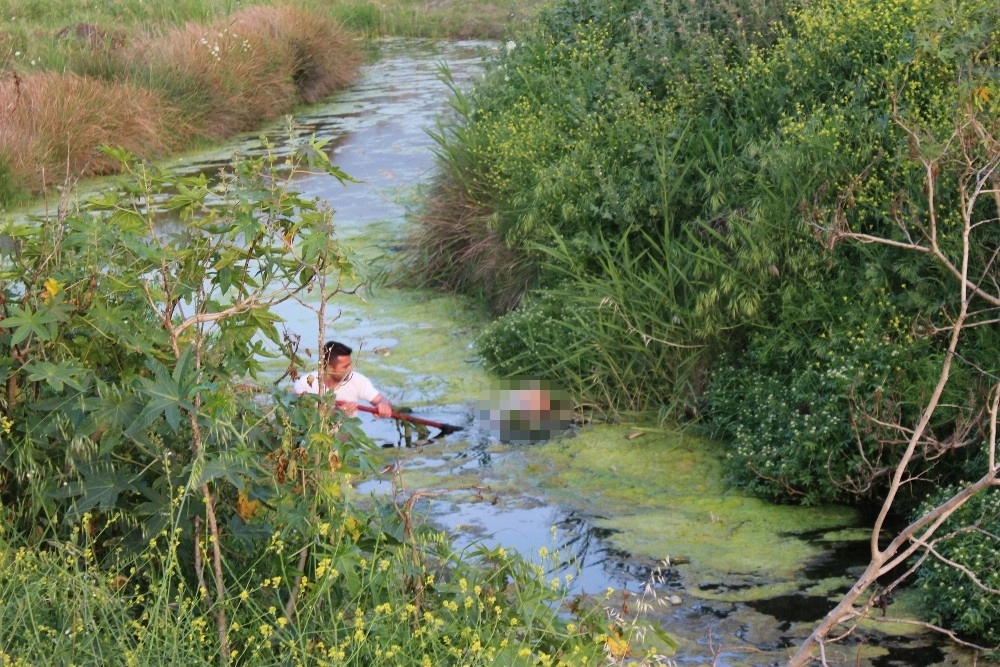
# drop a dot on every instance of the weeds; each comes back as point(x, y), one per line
point(156, 93)
point(57, 123)
point(365, 599)
point(170, 75)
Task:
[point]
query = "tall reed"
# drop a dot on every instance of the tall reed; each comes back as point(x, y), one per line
point(54, 123)
point(158, 91)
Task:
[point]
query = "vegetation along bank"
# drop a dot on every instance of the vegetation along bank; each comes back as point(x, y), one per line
point(157, 78)
point(152, 511)
point(773, 221)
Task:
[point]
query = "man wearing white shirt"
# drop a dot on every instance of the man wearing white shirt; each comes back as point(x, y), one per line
point(337, 374)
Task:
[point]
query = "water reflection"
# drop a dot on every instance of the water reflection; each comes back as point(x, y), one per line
point(565, 543)
point(376, 131)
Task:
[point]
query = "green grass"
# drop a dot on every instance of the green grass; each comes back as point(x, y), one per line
point(403, 18)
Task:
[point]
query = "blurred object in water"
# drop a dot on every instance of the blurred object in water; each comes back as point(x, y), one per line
point(525, 410)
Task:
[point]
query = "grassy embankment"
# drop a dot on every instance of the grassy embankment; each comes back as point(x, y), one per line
point(156, 78)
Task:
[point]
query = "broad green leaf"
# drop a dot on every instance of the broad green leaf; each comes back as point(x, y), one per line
point(56, 375)
point(166, 397)
point(99, 486)
point(189, 194)
point(107, 199)
point(109, 415)
point(223, 465)
point(26, 322)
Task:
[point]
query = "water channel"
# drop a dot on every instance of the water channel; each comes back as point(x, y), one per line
point(742, 582)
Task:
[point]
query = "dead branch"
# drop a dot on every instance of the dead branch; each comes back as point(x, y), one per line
point(977, 180)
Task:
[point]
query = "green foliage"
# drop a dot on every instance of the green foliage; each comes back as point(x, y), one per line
point(969, 539)
point(66, 12)
point(156, 512)
point(800, 407)
point(473, 19)
point(608, 332)
point(365, 597)
point(364, 18)
point(122, 338)
point(413, 18)
point(578, 129)
point(674, 173)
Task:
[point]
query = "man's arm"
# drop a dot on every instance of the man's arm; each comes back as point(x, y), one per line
point(306, 384)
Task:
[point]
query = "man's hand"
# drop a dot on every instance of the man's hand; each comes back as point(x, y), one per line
point(383, 408)
point(348, 408)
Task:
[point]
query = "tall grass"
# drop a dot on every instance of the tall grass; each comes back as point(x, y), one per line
point(159, 91)
point(210, 68)
point(464, 19)
point(457, 244)
point(456, 250)
point(115, 13)
point(55, 123)
point(254, 65)
point(626, 337)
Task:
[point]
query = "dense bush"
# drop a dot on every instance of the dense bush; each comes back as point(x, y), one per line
point(970, 539)
point(687, 167)
point(578, 130)
point(615, 339)
point(682, 179)
point(795, 413)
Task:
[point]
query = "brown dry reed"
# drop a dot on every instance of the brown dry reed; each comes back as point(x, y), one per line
point(53, 123)
point(254, 65)
point(165, 91)
point(455, 248)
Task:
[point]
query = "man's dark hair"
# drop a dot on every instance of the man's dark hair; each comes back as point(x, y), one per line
point(333, 349)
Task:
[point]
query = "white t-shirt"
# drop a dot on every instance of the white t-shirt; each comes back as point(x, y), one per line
point(352, 389)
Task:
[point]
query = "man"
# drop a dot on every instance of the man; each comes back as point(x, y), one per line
point(338, 375)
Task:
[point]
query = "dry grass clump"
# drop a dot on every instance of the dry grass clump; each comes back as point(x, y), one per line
point(52, 124)
point(322, 56)
point(251, 66)
point(454, 248)
point(158, 92)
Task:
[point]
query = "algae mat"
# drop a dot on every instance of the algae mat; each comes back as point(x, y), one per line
point(743, 581)
point(664, 497)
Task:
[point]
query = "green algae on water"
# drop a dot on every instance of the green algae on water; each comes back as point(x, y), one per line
point(664, 496)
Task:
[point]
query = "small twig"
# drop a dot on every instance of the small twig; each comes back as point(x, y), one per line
point(293, 596)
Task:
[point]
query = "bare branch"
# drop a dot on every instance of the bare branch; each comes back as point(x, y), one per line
point(961, 568)
point(934, 628)
point(977, 180)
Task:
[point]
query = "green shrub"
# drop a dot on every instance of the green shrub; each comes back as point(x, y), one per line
point(800, 408)
point(108, 370)
point(969, 540)
point(581, 127)
point(609, 332)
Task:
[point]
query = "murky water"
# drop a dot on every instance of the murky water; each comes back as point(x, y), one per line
point(743, 580)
